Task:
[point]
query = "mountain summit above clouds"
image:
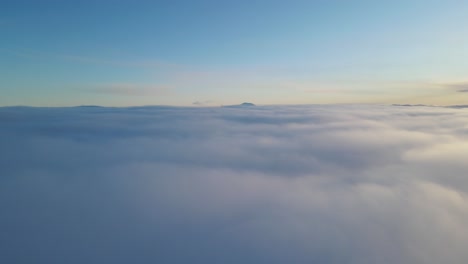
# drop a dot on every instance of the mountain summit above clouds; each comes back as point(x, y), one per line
point(245, 104)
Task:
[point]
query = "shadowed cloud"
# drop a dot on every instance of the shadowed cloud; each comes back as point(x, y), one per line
point(266, 184)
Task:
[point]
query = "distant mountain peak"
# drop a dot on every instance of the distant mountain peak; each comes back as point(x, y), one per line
point(245, 104)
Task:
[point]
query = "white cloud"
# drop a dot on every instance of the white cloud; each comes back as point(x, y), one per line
point(272, 184)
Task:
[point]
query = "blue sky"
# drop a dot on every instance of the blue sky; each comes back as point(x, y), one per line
point(120, 53)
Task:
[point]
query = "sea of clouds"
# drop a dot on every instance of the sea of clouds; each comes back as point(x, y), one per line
point(272, 184)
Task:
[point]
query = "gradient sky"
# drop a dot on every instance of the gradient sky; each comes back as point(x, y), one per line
point(55, 53)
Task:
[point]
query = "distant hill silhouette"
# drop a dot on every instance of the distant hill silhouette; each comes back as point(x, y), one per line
point(88, 106)
point(446, 106)
point(245, 104)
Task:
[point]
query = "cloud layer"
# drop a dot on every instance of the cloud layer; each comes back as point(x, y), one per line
point(277, 184)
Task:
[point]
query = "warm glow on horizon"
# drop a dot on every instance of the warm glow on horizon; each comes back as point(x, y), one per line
point(189, 53)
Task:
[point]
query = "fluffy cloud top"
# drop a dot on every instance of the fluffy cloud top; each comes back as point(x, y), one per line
point(280, 184)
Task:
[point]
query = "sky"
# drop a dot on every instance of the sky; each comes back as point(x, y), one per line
point(183, 53)
point(325, 184)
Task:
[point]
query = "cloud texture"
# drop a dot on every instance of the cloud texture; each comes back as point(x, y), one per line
point(280, 184)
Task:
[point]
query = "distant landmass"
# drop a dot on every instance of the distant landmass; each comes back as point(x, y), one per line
point(245, 104)
point(88, 106)
point(446, 106)
point(412, 105)
point(458, 106)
